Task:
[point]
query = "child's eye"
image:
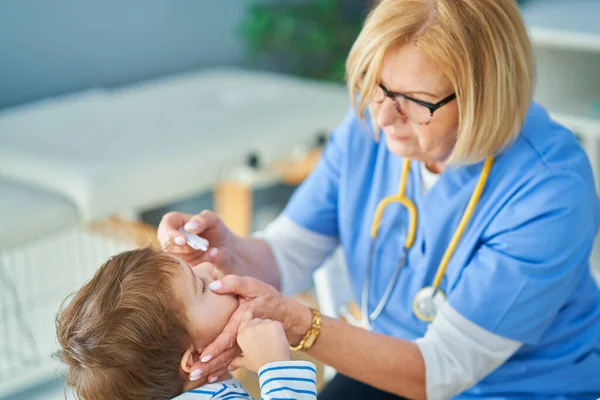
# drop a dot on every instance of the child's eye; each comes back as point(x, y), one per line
point(204, 285)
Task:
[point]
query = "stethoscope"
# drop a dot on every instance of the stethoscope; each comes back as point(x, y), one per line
point(429, 299)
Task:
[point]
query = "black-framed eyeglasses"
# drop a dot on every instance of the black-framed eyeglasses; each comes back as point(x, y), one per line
point(417, 111)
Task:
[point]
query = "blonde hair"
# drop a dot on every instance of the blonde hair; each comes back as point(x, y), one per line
point(481, 45)
point(122, 336)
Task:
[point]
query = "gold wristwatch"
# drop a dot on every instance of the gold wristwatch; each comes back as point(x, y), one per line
point(313, 333)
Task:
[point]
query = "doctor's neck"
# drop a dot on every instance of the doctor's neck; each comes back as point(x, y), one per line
point(437, 167)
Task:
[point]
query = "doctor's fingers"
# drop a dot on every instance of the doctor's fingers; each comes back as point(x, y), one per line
point(214, 377)
point(168, 228)
point(243, 286)
point(201, 222)
point(218, 365)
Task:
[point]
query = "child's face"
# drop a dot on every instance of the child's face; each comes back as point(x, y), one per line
point(207, 313)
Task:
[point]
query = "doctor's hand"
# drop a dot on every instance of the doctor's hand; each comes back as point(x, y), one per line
point(206, 224)
point(262, 301)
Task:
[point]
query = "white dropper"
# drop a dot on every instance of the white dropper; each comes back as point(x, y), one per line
point(194, 241)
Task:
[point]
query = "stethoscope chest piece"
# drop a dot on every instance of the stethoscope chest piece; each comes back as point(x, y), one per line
point(427, 303)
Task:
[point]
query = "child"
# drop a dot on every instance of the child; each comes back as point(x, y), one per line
point(135, 330)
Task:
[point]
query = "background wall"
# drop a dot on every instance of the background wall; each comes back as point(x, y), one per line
point(53, 47)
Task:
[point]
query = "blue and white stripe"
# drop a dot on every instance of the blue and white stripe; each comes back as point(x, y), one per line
point(283, 380)
point(295, 380)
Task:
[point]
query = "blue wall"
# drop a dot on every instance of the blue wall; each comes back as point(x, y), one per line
point(51, 47)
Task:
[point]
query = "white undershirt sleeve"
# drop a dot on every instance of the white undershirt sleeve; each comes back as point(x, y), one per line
point(459, 353)
point(298, 252)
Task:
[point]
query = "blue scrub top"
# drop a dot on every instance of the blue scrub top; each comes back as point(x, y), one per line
point(520, 270)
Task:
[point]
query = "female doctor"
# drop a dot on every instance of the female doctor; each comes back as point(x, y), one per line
point(466, 216)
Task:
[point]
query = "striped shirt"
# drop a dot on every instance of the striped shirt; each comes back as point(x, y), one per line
point(282, 380)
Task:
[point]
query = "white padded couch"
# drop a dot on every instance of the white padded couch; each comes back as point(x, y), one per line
point(76, 159)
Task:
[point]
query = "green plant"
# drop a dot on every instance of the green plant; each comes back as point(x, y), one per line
point(307, 37)
point(310, 38)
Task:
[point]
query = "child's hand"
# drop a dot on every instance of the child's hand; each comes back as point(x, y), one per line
point(261, 341)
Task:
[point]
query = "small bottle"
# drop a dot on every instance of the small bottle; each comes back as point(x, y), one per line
point(194, 241)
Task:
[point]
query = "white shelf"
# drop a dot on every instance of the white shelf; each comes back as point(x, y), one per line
point(570, 24)
point(569, 40)
point(566, 37)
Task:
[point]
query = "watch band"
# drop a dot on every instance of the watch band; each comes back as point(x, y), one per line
point(312, 334)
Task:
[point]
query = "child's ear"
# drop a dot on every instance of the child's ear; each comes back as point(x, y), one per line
point(189, 358)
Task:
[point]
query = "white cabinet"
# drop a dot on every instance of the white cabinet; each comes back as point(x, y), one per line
point(566, 39)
